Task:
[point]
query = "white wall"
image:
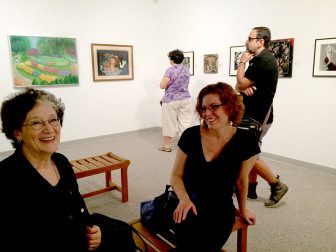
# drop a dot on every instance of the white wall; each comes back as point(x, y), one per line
point(305, 109)
point(93, 108)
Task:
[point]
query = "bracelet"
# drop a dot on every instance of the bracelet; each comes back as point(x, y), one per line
point(242, 62)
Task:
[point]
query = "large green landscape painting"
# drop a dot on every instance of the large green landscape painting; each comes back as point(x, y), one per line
point(43, 61)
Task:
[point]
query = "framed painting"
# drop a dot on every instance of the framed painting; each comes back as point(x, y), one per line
point(210, 63)
point(112, 62)
point(282, 50)
point(235, 55)
point(43, 61)
point(325, 58)
point(189, 61)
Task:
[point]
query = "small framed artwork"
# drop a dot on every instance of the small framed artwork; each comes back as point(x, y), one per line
point(43, 61)
point(112, 62)
point(282, 50)
point(235, 54)
point(325, 58)
point(189, 61)
point(210, 63)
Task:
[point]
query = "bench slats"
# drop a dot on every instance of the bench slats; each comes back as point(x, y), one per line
point(105, 163)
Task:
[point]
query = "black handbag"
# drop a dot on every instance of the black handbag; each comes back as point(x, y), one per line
point(157, 214)
point(117, 235)
point(252, 126)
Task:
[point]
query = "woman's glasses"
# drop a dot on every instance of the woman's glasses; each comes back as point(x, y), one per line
point(40, 124)
point(212, 108)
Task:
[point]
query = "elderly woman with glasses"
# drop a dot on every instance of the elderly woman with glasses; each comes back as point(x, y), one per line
point(211, 159)
point(43, 209)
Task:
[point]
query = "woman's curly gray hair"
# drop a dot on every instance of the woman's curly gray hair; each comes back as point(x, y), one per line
point(15, 107)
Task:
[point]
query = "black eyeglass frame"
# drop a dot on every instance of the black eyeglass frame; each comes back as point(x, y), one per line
point(250, 39)
point(212, 108)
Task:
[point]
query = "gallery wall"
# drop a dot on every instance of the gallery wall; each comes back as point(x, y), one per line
point(305, 109)
point(92, 108)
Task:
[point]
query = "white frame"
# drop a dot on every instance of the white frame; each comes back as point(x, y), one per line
point(233, 60)
point(190, 55)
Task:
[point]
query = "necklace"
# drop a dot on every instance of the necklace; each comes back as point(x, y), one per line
point(55, 169)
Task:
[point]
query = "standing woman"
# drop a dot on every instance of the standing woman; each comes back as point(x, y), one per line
point(177, 106)
point(211, 159)
point(42, 208)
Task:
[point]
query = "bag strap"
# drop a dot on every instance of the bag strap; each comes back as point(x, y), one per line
point(263, 126)
point(177, 75)
point(144, 243)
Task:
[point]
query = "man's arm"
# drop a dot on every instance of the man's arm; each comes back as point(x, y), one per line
point(242, 82)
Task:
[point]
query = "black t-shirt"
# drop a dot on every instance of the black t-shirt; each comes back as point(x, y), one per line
point(263, 71)
point(210, 187)
point(212, 182)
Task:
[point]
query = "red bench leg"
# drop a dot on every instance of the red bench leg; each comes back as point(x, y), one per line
point(124, 185)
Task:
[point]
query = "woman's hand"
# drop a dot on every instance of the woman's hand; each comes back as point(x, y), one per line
point(249, 217)
point(182, 209)
point(94, 237)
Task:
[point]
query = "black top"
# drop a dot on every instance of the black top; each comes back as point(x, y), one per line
point(213, 181)
point(38, 216)
point(263, 71)
point(210, 187)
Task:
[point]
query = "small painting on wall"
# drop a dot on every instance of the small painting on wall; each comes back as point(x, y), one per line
point(325, 58)
point(211, 63)
point(43, 61)
point(189, 61)
point(282, 50)
point(112, 62)
point(235, 54)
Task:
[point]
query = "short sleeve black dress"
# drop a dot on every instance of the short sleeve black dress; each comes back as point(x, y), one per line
point(210, 187)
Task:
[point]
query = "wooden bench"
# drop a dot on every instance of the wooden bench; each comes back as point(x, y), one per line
point(155, 243)
point(105, 163)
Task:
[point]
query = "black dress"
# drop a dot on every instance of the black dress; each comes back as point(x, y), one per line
point(210, 187)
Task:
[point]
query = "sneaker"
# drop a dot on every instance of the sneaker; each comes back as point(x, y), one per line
point(278, 190)
point(252, 191)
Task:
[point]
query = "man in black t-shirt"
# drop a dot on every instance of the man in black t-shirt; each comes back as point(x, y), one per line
point(258, 86)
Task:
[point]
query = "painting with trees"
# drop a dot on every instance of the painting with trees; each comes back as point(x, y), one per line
point(43, 61)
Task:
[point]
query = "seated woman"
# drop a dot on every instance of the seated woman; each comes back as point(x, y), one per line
point(212, 158)
point(42, 207)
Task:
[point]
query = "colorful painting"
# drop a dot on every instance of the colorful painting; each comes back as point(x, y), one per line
point(282, 50)
point(112, 62)
point(43, 61)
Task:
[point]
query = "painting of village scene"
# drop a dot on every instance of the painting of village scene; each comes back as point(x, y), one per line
point(43, 61)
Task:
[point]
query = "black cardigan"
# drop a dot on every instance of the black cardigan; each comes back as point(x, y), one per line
point(37, 216)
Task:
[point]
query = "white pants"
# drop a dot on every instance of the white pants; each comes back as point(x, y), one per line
point(177, 116)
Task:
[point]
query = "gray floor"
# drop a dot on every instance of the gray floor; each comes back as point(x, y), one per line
point(305, 220)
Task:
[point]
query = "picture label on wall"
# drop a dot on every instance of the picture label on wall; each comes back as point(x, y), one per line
point(43, 61)
point(211, 63)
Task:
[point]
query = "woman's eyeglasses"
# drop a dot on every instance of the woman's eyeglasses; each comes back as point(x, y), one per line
point(40, 124)
point(212, 108)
